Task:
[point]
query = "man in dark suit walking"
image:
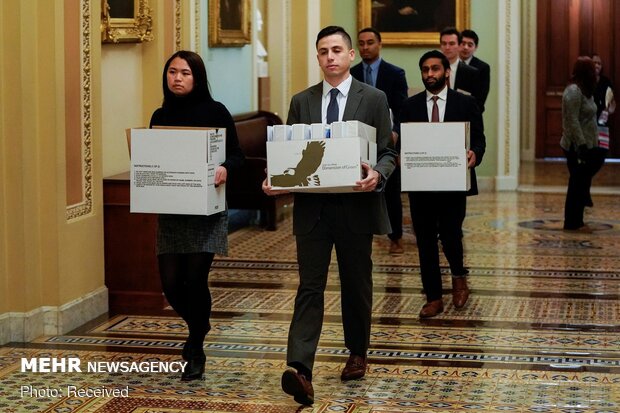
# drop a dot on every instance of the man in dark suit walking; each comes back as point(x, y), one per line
point(437, 213)
point(346, 221)
point(375, 71)
point(469, 45)
point(463, 78)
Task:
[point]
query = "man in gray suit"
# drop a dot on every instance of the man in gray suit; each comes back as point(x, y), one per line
point(346, 221)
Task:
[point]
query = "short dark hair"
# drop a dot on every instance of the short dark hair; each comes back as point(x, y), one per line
point(200, 91)
point(449, 31)
point(471, 34)
point(329, 30)
point(435, 54)
point(370, 30)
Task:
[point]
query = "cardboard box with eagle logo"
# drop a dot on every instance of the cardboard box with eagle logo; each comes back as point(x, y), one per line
point(308, 163)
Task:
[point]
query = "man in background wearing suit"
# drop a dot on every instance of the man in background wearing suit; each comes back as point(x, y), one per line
point(436, 213)
point(346, 220)
point(376, 72)
point(463, 78)
point(469, 45)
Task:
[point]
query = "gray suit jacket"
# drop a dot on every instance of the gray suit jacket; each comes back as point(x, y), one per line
point(366, 211)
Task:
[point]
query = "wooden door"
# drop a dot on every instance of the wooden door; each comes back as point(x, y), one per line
point(568, 29)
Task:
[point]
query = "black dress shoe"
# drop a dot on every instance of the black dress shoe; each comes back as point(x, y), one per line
point(196, 360)
point(298, 386)
point(194, 369)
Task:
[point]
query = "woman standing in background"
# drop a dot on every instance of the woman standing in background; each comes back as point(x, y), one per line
point(603, 93)
point(186, 244)
point(579, 138)
point(605, 106)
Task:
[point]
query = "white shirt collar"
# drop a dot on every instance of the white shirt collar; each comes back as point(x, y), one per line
point(443, 95)
point(343, 87)
point(454, 67)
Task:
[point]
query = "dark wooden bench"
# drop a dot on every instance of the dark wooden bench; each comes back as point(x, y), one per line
point(243, 189)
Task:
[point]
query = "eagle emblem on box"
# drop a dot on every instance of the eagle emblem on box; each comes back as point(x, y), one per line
point(303, 173)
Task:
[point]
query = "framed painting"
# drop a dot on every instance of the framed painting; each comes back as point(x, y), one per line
point(125, 21)
point(412, 22)
point(229, 23)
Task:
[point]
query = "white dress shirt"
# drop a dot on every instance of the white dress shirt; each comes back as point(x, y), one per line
point(454, 67)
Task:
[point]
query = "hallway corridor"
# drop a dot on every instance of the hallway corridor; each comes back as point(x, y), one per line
point(540, 333)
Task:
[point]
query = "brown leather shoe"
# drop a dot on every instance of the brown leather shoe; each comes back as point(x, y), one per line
point(431, 309)
point(396, 247)
point(355, 368)
point(298, 386)
point(460, 291)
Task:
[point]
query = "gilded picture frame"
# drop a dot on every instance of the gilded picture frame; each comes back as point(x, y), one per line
point(126, 21)
point(412, 22)
point(229, 23)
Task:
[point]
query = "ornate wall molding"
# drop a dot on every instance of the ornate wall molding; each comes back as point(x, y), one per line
point(178, 35)
point(528, 76)
point(509, 103)
point(193, 20)
point(508, 89)
point(197, 26)
point(287, 53)
point(85, 207)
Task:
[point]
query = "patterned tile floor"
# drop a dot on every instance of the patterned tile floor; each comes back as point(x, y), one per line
point(541, 332)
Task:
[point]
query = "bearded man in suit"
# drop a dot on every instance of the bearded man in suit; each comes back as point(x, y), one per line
point(436, 214)
point(345, 220)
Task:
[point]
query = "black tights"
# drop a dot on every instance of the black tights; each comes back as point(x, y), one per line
point(185, 281)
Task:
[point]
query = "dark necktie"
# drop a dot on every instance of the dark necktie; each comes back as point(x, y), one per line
point(332, 108)
point(435, 111)
point(369, 75)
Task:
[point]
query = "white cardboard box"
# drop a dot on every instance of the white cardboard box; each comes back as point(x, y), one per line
point(433, 156)
point(300, 132)
point(322, 165)
point(173, 171)
point(353, 128)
